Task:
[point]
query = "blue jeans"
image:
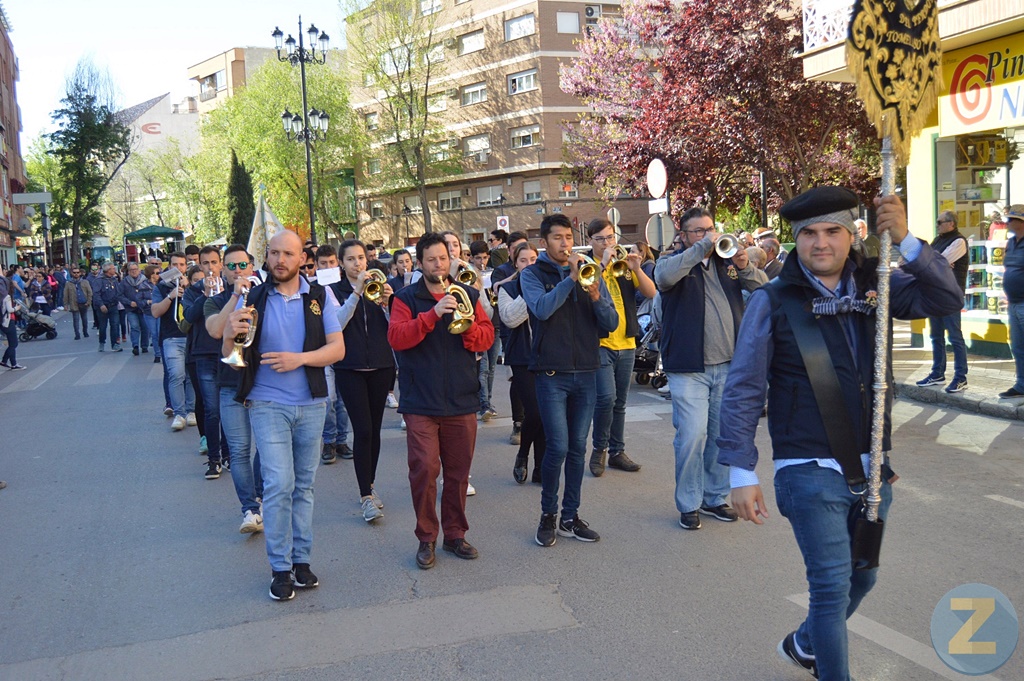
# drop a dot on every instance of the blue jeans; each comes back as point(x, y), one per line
point(696, 402)
point(940, 326)
point(245, 464)
point(487, 361)
point(336, 423)
point(612, 391)
point(181, 390)
point(137, 327)
point(1016, 312)
point(289, 441)
point(818, 503)
point(111, 318)
point(11, 353)
point(566, 402)
point(81, 315)
point(206, 369)
point(152, 329)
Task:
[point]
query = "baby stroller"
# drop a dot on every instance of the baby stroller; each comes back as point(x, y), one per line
point(647, 364)
point(38, 324)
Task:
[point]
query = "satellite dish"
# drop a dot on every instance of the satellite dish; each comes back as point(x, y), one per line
point(657, 178)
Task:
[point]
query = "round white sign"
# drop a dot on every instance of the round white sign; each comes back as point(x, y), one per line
point(657, 178)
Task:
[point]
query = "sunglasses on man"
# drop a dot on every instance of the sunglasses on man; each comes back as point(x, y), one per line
point(237, 266)
point(308, 267)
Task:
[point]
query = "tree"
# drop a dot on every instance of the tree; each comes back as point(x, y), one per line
point(713, 88)
point(398, 49)
point(90, 144)
point(44, 174)
point(241, 207)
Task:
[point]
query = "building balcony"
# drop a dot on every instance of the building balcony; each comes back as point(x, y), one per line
point(207, 95)
point(961, 23)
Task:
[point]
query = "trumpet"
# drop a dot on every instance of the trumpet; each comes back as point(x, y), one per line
point(373, 290)
point(589, 271)
point(727, 246)
point(467, 276)
point(463, 316)
point(619, 263)
point(242, 340)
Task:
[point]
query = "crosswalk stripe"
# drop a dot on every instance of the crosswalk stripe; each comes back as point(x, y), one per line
point(104, 370)
point(36, 377)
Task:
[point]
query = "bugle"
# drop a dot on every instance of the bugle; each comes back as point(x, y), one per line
point(242, 340)
point(619, 263)
point(463, 316)
point(467, 276)
point(727, 246)
point(589, 270)
point(373, 289)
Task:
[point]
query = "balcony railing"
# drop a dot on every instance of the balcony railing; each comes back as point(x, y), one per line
point(207, 95)
point(826, 21)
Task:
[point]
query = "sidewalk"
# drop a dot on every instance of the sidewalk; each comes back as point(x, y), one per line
point(986, 378)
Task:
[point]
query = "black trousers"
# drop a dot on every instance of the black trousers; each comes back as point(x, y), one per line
point(193, 375)
point(532, 434)
point(365, 394)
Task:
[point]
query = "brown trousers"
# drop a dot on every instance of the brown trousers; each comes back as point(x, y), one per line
point(436, 444)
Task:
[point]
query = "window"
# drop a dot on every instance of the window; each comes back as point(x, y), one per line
point(395, 60)
point(372, 121)
point(531, 191)
point(439, 152)
point(434, 54)
point(373, 166)
point(377, 209)
point(471, 42)
point(428, 7)
point(524, 81)
point(474, 94)
point(413, 204)
point(520, 27)
point(437, 103)
point(477, 144)
point(526, 136)
point(569, 190)
point(488, 196)
point(449, 200)
point(567, 22)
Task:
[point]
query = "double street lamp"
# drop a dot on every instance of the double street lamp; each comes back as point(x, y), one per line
point(312, 124)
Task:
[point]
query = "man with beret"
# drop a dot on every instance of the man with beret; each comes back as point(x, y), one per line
point(1013, 287)
point(824, 301)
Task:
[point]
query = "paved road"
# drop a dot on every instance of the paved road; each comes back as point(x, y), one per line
point(120, 562)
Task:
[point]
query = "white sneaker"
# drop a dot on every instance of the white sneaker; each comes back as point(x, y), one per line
point(251, 523)
point(190, 420)
point(370, 510)
point(377, 501)
point(403, 423)
point(178, 423)
point(470, 490)
point(392, 401)
point(664, 389)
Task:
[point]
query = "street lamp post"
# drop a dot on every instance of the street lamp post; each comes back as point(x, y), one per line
point(312, 124)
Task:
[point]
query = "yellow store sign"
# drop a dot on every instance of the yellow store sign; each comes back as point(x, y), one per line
point(985, 87)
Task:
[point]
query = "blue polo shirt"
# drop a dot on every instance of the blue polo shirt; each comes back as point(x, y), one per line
point(284, 330)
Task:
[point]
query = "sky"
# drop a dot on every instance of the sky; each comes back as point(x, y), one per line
point(147, 46)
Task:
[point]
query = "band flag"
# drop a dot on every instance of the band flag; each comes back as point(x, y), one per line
point(893, 54)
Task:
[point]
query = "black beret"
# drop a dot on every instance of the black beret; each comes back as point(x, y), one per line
point(819, 201)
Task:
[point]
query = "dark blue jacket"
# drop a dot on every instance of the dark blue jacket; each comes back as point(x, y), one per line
point(202, 343)
point(439, 376)
point(366, 334)
point(129, 292)
point(104, 292)
point(519, 343)
point(1013, 264)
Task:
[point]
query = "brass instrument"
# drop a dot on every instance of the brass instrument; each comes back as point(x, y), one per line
point(727, 246)
point(373, 290)
point(619, 263)
point(463, 316)
point(242, 340)
point(589, 272)
point(492, 297)
point(467, 276)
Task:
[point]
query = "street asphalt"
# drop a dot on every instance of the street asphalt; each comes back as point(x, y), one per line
point(120, 561)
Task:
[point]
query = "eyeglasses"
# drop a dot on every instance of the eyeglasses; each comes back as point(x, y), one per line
point(940, 222)
point(604, 239)
point(237, 266)
point(700, 231)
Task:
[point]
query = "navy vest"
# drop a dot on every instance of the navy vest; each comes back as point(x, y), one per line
point(315, 339)
point(569, 340)
point(517, 347)
point(794, 421)
point(366, 334)
point(941, 243)
point(439, 376)
point(682, 317)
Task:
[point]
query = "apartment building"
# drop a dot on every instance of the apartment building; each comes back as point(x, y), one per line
point(221, 76)
point(503, 114)
point(12, 168)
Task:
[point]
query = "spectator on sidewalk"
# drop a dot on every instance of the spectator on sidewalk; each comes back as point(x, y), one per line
point(1013, 287)
point(951, 245)
point(10, 329)
point(78, 299)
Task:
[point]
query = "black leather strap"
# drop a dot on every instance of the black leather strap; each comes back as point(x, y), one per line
point(842, 439)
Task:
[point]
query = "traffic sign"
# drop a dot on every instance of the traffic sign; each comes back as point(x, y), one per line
point(503, 222)
point(659, 231)
point(657, 178)
point(614, 216)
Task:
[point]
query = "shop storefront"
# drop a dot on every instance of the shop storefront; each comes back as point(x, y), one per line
point(976, 171)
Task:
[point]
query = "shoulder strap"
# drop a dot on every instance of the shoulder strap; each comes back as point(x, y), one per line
point(825, 384)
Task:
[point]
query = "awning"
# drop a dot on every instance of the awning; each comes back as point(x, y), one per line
point(154, 232)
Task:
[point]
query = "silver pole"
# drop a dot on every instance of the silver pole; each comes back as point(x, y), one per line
point(881, 384)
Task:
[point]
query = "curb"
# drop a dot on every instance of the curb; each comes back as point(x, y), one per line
point(1012, 409)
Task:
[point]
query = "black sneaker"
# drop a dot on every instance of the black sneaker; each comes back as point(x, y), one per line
point(327, 454)
point(536, 476)
point(689, 521)
point(304, 577)
point(212, 471)
point(281, 588)
point(788, 652)
point(576, 527)
point(546, 530)
point(957, 386)
point(135, 350)
point(723, 513)
point(1012, 392)
point(343, 451)
point(519, 470)
point(931, 379)
point(117, 348)
point(225, 464)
